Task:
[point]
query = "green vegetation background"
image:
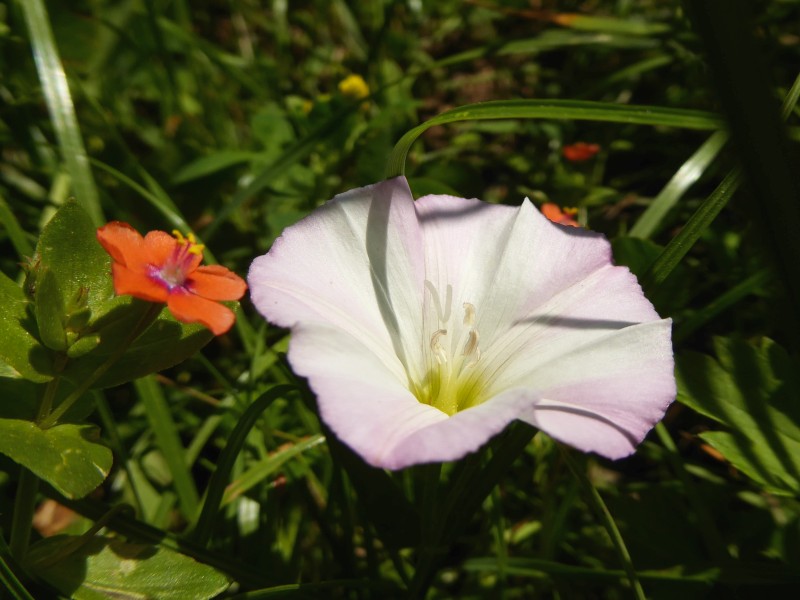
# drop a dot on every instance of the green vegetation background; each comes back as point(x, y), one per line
point(226, 118)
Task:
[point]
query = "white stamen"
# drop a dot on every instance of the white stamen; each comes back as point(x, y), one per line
point(469, 314)
point(471, 347)
point(443, 316)
point(436, 346)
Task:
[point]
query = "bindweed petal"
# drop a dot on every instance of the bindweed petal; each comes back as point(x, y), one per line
point(425, 328)
point(355, 263)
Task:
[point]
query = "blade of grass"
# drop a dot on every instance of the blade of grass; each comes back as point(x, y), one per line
point(552, 39)
point(740, 74)
point(714, 543)
point(538, 568)
point(596, 502)
point(686, 176)
point(203, 523)
point(8, 579)
point(61, 109)
point(169, 442)
point(681, 244)
point(19, 239)
point(719, 304)
point(167, 209)
point(705, 214)
point(578, 110)
point(265, 467)
point(291, 155)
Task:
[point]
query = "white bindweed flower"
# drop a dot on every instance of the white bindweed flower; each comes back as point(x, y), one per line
point(425, 327)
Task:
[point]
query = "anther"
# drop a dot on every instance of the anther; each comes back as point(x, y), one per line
point(469, 314)
point(471, 346)
point(436, 346)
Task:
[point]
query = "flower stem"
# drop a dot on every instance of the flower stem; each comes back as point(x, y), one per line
point(24, 508)
point(596, 501)
point(47, 399)
point(141, 326)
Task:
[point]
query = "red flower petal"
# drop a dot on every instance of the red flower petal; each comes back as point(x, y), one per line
point(216, 283)
point(189, 308)
point(137, 284)
point(580, 151)
point(121, 241)
point(553, 212)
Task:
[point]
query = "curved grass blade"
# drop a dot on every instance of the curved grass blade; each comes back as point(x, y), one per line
point(61, 108)
point(577, 110)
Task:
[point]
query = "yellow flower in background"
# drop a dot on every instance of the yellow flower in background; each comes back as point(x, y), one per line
point(354, 86)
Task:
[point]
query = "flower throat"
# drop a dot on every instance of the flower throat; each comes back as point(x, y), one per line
point(451, 382)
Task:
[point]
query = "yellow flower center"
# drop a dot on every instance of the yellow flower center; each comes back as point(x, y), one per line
point(453, 380)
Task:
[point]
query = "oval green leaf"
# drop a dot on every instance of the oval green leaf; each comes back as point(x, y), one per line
point(18, 348)
point(104, 567)
point(68, 457)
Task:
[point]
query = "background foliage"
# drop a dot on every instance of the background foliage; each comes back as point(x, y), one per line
point(227, 118)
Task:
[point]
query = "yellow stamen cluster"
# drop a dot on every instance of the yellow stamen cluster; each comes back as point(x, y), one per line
point(190, 240)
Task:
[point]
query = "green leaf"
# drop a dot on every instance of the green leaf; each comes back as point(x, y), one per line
point(50, 311)
point(762, 467)
point(576, 110)
point(67, 457)
point(68, 247)
point(20, 399)
point(104, 567)
point(164, 344)
point(753, 390)
point(18, 348)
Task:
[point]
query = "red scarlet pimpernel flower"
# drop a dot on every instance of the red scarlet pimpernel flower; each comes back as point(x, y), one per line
point(563, 217)
point(579, 151)
point(160, 267)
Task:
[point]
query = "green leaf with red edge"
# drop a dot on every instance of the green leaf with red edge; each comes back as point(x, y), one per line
point(103, 567)
point(68, 457)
